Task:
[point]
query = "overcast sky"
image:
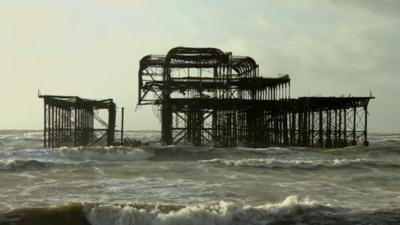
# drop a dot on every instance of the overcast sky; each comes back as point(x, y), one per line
point(92, 48)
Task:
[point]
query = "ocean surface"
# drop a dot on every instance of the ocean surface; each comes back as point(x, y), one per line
point(197, 185)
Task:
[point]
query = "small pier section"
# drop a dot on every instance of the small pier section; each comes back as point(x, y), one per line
point(70, 121)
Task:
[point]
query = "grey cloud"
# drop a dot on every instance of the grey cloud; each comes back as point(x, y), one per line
point(387, 7)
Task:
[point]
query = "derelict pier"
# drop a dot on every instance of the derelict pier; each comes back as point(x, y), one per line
point(208, 97)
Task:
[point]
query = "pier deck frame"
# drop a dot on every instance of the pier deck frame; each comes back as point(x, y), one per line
point(209, 97)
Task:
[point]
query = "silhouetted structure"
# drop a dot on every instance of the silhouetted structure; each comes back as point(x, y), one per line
point(210, 97)
point(69, 121)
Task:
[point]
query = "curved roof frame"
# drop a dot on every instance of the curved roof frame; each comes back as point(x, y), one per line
point(243, 65)
point(195, 57)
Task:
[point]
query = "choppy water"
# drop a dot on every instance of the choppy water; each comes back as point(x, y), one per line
point(192, 185)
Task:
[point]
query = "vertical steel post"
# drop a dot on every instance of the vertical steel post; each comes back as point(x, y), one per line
point(52, 126)
point(285, 129)
point(328, 143)
point(335, 142)
point(111, 124)
point(340, 142)
point(45, 125)
point(345, 127)
point(366, 143)
point(354, 142)
point(312, 128)
point(321, 131)
point(75, 126)
point(122, 125)
point(300, 128)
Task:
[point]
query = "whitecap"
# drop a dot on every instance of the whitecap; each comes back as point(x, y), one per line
point(20, 164)
point(269, 150)
point(221, 213)
point(114, 153)
point(290, 163)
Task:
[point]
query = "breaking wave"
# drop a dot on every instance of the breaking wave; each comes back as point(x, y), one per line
point(223, 213)
point(292, 210)
point(76, 154)
point(45, 158)
point(20, 164)
point(273, 163)
point(269, 151)
point(113, 153)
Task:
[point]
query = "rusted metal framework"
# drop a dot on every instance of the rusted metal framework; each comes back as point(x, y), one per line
point(70, 121)
point(210, 97)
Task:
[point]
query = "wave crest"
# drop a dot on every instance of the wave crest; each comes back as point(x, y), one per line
point(222, 213)
point(269, 150)
point(292, 210)
point(20, 164)
point(113, 153)
point(272, 163)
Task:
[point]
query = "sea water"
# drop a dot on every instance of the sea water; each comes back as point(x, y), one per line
point(197, 185)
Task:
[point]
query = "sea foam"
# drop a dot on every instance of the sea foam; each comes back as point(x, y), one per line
point(273, 163)
point(221, 213)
